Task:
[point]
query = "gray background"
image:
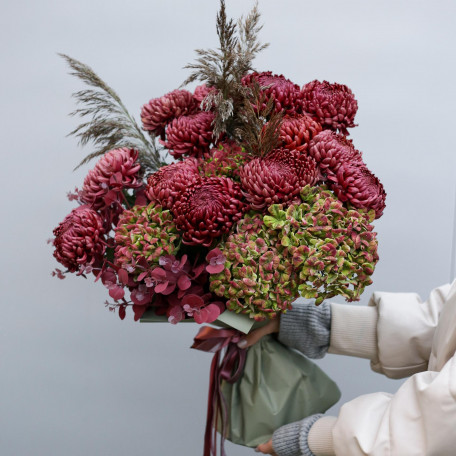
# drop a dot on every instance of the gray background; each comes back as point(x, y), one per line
point(76, 380)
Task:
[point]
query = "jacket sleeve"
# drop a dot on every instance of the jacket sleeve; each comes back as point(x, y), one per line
point(395, 331)
point(417, 420)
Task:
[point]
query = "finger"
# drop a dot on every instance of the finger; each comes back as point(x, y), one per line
point(251, 338)
point(261, 448)
point(254, 336)
point(265, 448)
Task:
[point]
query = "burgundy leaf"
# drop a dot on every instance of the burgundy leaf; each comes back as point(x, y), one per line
point(198, 270)
point(122, 312)
point(116, 292)
point(169, 289)
point(123, 276)
point(141, 199)
point(142, 275)
point(108, 277)
point(215, 269)
point(161, 287)
point(200, 316)
point(212, 312)
point(158, 274)
point(138, 311)
point(110, 197)
point(175, 315)
point(193, 300)
point(183, 282)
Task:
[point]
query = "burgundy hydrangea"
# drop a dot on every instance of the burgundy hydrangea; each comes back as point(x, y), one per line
point(330, 150)
point(208, 209)
point(190, 135)
point(79, 240)
point(296, 132)
point(117, 170)
point(226, 160)
point(156, 114)
point(358, 186)
point(167, 184)
point(287, 95)
point(277, 178)
point(332, 105)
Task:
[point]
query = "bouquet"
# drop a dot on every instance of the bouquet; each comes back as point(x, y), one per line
point(232, 199)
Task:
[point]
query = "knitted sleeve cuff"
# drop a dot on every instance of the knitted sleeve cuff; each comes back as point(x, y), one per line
point(353, 331)
point(320, 438)
point(291, 439)
point(285, 440)
point(306, 327)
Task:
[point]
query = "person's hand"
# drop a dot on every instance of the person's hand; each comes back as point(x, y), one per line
point(266, 448)
point(254, 336)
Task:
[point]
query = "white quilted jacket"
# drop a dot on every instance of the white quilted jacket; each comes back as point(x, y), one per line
point(404, 337)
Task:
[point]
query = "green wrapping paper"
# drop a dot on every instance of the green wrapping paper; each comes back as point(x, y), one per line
point(278, 386)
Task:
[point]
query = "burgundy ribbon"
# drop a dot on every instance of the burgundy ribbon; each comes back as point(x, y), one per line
point(228, 367)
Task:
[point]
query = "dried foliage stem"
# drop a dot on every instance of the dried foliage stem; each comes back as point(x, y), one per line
point(259, 136)
point(225, 67)
point(110, 126)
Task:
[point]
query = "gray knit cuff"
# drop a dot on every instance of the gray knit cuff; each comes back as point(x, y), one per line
point(307, 327)
point(285, 440)
point(291, 439)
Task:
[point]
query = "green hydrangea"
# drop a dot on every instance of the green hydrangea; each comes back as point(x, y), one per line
point(258, 278)
point(144, 233)
point(333, 248)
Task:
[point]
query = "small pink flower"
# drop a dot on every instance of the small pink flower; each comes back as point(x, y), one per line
point(149, 282)
point(141, 295)
point(175, 314)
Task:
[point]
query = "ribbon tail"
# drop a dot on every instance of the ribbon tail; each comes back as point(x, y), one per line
point(210, 407)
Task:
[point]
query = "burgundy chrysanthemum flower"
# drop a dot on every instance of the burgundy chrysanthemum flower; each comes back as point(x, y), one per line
point(170, 181)
point(208, 209)
point(201, 92)
point(296, 132)
point(332, 105)
point(358, 186)
point(115, 171)
point(79, 240)
point(330, 150)
point(287, 95)
point(156, 114)
point(277, 178)
point(189, 135)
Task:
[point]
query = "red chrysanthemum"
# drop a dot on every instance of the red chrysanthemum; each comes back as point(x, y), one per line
point(201, 92)
point(277, 178)
point(296, 132)
point(332, 105)
point(330, 150)
point(117, 170)
point(208, 209)
point(170, 181)
point(287, 95)
point(358, 186)
point(79, 240)
point(189, 135)
point(159, 112)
